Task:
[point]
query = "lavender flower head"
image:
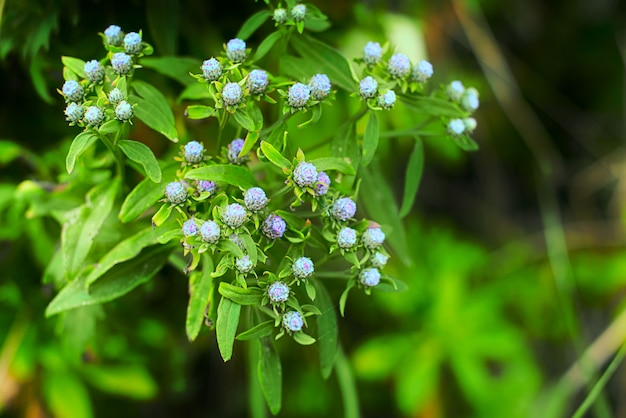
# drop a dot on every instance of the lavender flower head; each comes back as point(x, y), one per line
point(346, 238)
point(470, 124)
point(273, 227)
point(302, 268)
point(210, 232)
point(455, 90)
point(298, 13)
point(234, 215)
point(176, 192)
point(293, 321)
point(399, 65)
point(114, 35)
point(74, 112)
point(369, 277)
point(190, 229)
point(73, 91)
point(319, 86)
point(387, 100)
point(255, 199)
point(94, 71)
point(257, 81)
point(280, 15)
point(116, 96)
point(456, 127)
point(373, 238)
point(379, 260)
point(422, 71)
point(299, 95)
point(234, 148)
point(232, 94)
point(206, 186)
point(236, 50)
point(368, 87)
point(323, 183)
point(211, 69)
point(244, 264)
point(305, 174)
point(469, 100)
point(343, 209)
point(372, 53)
point(132, 43)
point(93, 116)
point(278, 292)
point(122, 63)
point(123, 111)
point(193, 152)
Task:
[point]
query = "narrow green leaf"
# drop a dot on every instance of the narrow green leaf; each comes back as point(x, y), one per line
point(199, 112)
point(270, 374)
point(253, 23)
point(145, 195)
point(130, 380)
point(225, 173)
point(66, 395)
point(9, 151)
point(244, 120)
point(274, 155)
point(251, 139)
point(370, 138)
point(347, 385)
point(344, 144)
point(264, 329)
point(431, 106)
point(152, 108)
point(327, 333)
point(391, 285)
point(200, 285)
point(226, 328)
point(344, 298)
point(241, 296)
point(303, 339)
point(140, 153)
point(266, 45)
point(412, 177)
point(176, 68)
point(465, 143)
point(76, 65)
point(163, 18)
point(81, 142)
point(333, 163)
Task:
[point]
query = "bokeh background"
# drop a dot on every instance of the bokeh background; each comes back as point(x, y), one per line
point(516, 260)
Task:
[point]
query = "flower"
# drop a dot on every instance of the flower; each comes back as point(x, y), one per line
point(369, 277)
point(280, 15)
point(123, 111)
point(372, 53)
point(114, 35)
point(278, 292)
point(456, 127)
point(236, 239)
point(193, 152)
point(206, 186)
point(368, 87)
point(94, 71)
point(379, 260)
point(373, 238)
point(116, 96)
point(234, 148)
point(211, 69)
point(305, 174)
point(93, 116)
point(73, 91)
point(455, 90)
point(470, 124)
point(190, 229)
point(257, 81)
point(255, 199)
point(298, 12)
point(322, 185)
point(346, 238)
point(210, 232)
point(232, 94)
point(273, 226)
point(299, 95)
point(399, 65)
point(236, 50)
point(74, 112)
point(469, 100)
point(234, 215)
point(244, 264)
point(122, 63)
point(302, 268)
point(319, 86)
point(422, 71)
point(176, 192)
point(132, 43)
point(387, 99)
point(343, 209)
point(293, 321)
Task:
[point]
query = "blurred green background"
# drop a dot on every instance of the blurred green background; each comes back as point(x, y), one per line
point(517, 253)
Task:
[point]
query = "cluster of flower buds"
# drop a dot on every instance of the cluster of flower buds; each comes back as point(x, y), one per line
point(301, 96)
point(468, 99)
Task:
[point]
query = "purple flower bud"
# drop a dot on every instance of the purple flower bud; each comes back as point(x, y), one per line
point(322, 185)
point(399, 65)
point(93, 116)
point(190, 229)
point(369, 277)
point(320, 86)
point(244, 264)
point(455, 90)
point(236, 239)
point(379, 260)
point(343, 209)
point(274, 227)
point(299, 95)
point(305, 174)
point(346, 238)
point(114, 35)
point(387, 99)
point(302, 268)
point(176, 192)
point(94, 71)
point(211, 69)
point(74, 112)
point(236, 50)
point(373, 238)
point(122, 63)
point(469, 100)
point(123, 111)
point(372, 53)
point(206, 186)
point(368, 87)
point(116, 96)
point(278, 292)
point(234, 148)
point(234, 215)
point(193, 152)
point(280, 15)
point(255, 199)
point(470, 124)
point(293, 321)
point(456, 127)
point(132, 43)
point(298, 13)
point(73, 91)
point(232, 94)
point(257, 81)
point(422, 71)
point(210, 232)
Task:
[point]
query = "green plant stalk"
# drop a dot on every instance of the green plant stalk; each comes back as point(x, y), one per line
point(347, 385)
point(117, 155)
point(407, 132)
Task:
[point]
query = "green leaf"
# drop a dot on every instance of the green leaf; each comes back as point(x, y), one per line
point(152, 108)
point(9, 151)
point(370, 138)
point(225, 173)
point(177, 68)
point(110, 126)
point(163, 18)
point(431, 106)
point(130, 380)
point(145, 195)
point(327, 333)
point(199, 112)
point(251, 139)
point(116, 282)
point(274, 155)
point(465, 143)
point(241, 296)
point(303, 339)
point(412, 177)
point(37, 76)
point(140, 153)
point(392, 285)
point(333, 163)
point(76, 65)
point(200, 285)
point(245, 121)
point(266, 45)
point(197, 91)
point(270, 374)
point(344, 297)
point(264, 329)
point(81, 142)
point(226, 328)
point(66, 395)
point(349, 393)
point(344, 144)
point(252, 24)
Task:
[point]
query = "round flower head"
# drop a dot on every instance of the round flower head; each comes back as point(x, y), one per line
point(469, 100)
point(399, 65)
point(302, 268)
point(280, 15)
point(373, 238)
point(211, 69)
point(273, 227)
point(368, 87)
point(369, 277)
point(234, 215)
point(132, 43)
point(122, 63)
point(193, 152)
point(234, 148)
point(236, 239)
point(114, 35)
point(210, 232)
point(379, 260)
point(94, 71)
point(387, 99)
point(422, 71)
point(244, 264)
point(470, 124)
point(176, 192)
point(455, 90)
point(278, 292)
point(343, 209)
point(298, 12)
point(232, 94)
point(456, 127)
point(206, 186)
point(346, 238)
point(255, 199)
point(372, 53)
point(236, 50)
point(93, 116)
point(190, 229)
point(319, 86)
point(322, 185)
point(116, 96)
point(123, 111)
point(74, 112)
point(257, 81)
point(293, 321)
point(299, 95)
point(73, 91)
point(305, 174)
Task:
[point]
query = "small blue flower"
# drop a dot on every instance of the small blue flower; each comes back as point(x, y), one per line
point(74, 112)
point(372, 53)
point(293, 321)
point(399, 65)
point(244, 264)
point(302, 268)
point(322, 185)
point(73, 91)
point(122, 63)
point(257, 81)
point(369, 277)
point(373, 238)
point(346, 238)
point(236, 50)
point(456, 127)
point(211, 69)
point(470, 124)
point(343, 209)
point(299, 95)
point(234, 215)
point(422, 71)
point(93, 116)
point(469, 100)
point(94, 71)
point(206, 186)
point(210, 232)
point(232, 94)
point(234, 148)
point(123, 111)
point(193, 152)
point(176, 192)
point(190, 229)
point(280, 15)
point(114, 35)
point(273, 227)
point(255, 199)
point(368, 87)
point(132, 43)
point(298, 13)
point(379, 260)
point(305, 174)
point(236, 239)
point(320, 86)
point(455, 90)
point(278, 292)
point(116, 96)
point(387, 100)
